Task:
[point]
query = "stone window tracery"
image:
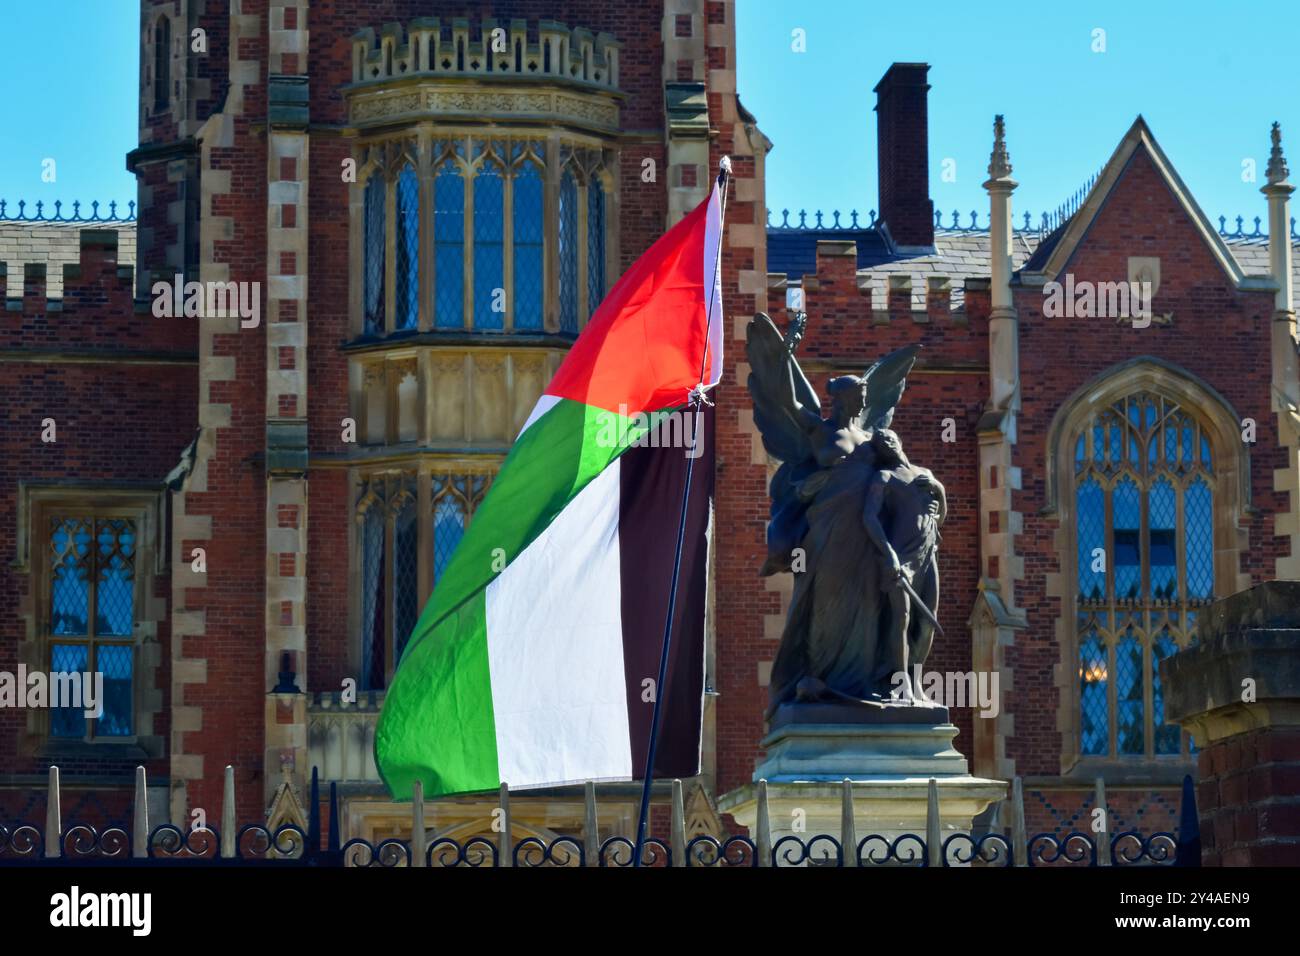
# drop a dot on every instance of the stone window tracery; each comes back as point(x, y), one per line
point(1144, 484)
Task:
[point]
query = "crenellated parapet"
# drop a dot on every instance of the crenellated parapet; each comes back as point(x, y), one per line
point(97, 310)
point(449, 69)
point(449, 48)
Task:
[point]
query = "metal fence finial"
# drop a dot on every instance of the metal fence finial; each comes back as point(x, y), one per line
point(591, 834)
point(848, 827)
point(1019, 839)
point(1189, 828)
point(678, 855)
point(417, 823)
point(53, 818)
point(228, 824)
point(933, 831)
point(505, 856)
point(140, 818)
point(763, 838)
point(1103, 835)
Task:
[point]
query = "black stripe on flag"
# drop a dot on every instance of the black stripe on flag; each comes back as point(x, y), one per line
point(652, 479)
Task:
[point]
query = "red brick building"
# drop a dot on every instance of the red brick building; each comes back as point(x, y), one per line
point(426, 201)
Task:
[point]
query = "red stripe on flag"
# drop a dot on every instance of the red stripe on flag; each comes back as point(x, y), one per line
point(643, 348)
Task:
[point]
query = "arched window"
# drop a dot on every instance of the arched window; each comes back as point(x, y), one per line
point(408, 248)
point(595, 243)
point(568, 252)
point(374, 253)
point(449, 246)
point(527, 225)
point(162, 79)
point(1143, 489)
point(489, 247)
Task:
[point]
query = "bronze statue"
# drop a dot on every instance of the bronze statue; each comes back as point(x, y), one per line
point(856, 521)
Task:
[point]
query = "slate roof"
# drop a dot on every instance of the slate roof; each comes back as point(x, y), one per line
point(959, 255)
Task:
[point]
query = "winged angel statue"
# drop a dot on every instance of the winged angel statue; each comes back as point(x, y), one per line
point(855, 520)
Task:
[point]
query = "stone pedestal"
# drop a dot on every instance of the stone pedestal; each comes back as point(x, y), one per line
point(1238, 692)
point(889, 754)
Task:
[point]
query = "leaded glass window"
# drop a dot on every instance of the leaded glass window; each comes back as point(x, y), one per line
point(595, 243)
point(514, 247)
point(91, 619)
point(449, 246)
point(568, 252)
point(373, 300)
point(408, 248)
point(406, 582)
point(489, 247)
point(1144, 545)
point(529, 279)
point(392, 537)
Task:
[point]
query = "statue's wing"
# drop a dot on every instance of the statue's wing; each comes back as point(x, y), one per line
point(884, 387)
point(784, 405)
point(780, 391)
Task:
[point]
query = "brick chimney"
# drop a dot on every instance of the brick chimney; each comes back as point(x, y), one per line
point(902, 146)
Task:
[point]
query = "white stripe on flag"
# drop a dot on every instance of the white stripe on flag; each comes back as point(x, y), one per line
point(713, 286)
point(555, 649)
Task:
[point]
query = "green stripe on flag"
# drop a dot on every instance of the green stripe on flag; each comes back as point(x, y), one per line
point(437, 723)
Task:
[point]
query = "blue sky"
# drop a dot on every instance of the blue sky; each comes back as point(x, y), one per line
point(1208, 77)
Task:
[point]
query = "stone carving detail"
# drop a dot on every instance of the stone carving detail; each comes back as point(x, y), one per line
point(588, 110)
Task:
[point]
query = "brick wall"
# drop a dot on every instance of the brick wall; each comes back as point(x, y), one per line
point(121, 386)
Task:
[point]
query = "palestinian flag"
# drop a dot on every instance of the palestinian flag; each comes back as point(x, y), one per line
point(535, 659)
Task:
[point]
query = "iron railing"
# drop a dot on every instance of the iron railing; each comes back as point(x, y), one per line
point(289, 845)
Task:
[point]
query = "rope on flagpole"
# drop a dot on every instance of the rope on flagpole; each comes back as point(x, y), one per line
point(695, 398)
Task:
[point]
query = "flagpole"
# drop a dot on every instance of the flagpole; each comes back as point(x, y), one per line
point(696, 398)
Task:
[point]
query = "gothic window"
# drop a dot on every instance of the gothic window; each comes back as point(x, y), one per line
point(408, 248)
point(1143, 485)
point(392, 536)
point(89, 627)
point(162, 82)
point(375, 239)
point(515, 246)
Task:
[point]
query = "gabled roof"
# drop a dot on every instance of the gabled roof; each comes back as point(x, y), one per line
point(1057, 249)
